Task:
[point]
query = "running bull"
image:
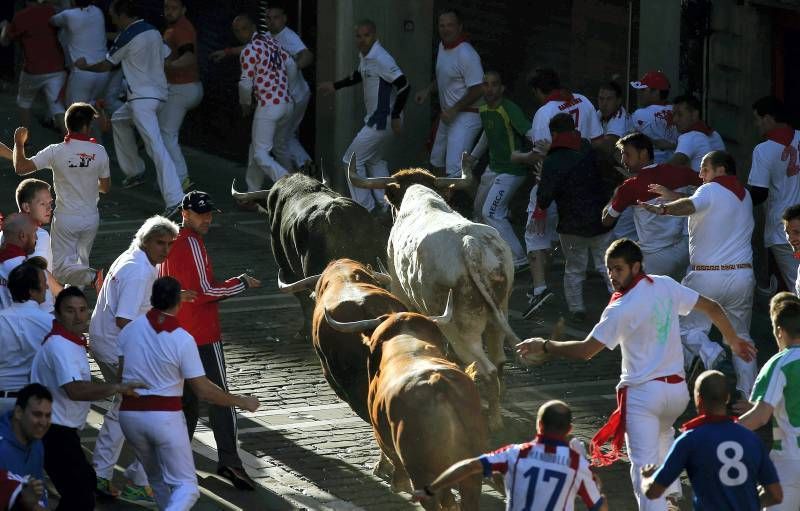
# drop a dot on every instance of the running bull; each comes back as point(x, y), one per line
point(424, 410)
point(310, 226)
point(433, 249)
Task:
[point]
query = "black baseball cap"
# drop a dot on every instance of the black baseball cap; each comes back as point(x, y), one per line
point(199, 202)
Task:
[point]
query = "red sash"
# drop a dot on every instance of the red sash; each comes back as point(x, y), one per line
point(151, 404)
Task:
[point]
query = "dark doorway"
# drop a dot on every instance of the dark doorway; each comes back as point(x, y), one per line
point(786, 51)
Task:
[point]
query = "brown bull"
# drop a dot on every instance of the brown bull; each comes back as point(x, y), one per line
point(349, 291)
point(424, 410)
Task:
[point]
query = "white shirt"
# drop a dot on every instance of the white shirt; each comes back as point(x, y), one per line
point(77, 165)
point(618, 124)
point(721, 226)
point(141, 51)
point(378, 70)
point(42, 248)
point(291, 42)
point(5, 268)
point(162, 359)
point(84, 31)
point(457, 69)
point(549, 466)
point(23, 327)
point(125, 294)
point(776, 166)
point(579, 107)
point(655, 121)
point(58, 362)
point(696, 144)
point(644, 323)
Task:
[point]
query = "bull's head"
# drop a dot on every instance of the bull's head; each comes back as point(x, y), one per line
point(366, 325)
point(397, 184)
point(251, 197)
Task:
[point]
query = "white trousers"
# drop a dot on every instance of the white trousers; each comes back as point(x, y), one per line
point(576, 259)
point(113, 92)
point(533, 241)
point(789, 474)
point(652, 409)
point(787, 264)
point(733, 290)
point(143, 114)
point(182, 97)
point(109, 442)
point(85, 86)
point(368, 146)
point(297, 152)
point(269, 132)
point(7, 404)
point(671, 261)
point(160, 441)
point(72, 237)
point(625, 226)
point(494, 211)
point(454, 139)
point(50, 84)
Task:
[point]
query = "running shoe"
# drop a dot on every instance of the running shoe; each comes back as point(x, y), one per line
point(105, 488)
point(238, 477)
point(536, 301)
point(133, 181)
point(139, 495)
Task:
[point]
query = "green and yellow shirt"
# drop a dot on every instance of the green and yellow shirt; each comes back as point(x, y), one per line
point(505, 128)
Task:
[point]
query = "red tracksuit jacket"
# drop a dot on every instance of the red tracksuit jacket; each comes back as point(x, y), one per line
point(188, 262)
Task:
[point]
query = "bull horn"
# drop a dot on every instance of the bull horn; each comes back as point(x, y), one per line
point(322, 176)
point(353, 327)
point(296, 287)
point(381, 266)
point(247, 196)
point(459, 182)
point(448, 311)
point(354, 180)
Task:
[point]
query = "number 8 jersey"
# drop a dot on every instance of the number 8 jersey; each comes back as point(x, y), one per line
point(543, 475)
point(724, 461)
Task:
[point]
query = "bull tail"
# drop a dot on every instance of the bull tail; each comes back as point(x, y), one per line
point(473, 260)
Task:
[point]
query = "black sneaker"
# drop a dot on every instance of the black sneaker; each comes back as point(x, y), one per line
point(133, 181)
point(238, 477)
point(535, 302)
point(577, 317)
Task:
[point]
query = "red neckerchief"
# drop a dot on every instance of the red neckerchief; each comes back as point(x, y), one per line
point(796, 255)
point(702, 127)
point(161, 321)
point(58, 329)
point(731, 183)
point(450, 46)
point(569, 139)
point(783, 135)
point(701, 420)
point(11, 251)
point(79, 136)
point(613, 430)
point(639, 277)
point(559, 95)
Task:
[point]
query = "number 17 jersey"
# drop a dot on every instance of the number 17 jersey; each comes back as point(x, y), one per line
point(543, 475)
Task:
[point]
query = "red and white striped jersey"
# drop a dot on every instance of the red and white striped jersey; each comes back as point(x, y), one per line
point(543, 475)
point(264, 73)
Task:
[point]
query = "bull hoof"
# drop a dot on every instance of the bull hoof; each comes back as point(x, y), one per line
point(401, 484)
point(383, 469)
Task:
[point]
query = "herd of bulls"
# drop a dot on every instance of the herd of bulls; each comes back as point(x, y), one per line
point(388, 354)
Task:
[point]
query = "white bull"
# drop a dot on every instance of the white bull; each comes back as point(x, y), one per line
point(433, 249)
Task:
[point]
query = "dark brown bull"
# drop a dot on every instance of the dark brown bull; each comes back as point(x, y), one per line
point(424, 410)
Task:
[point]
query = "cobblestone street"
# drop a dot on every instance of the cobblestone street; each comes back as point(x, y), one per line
point(306, 448)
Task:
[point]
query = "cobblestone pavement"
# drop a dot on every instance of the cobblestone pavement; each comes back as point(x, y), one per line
point(304, 447)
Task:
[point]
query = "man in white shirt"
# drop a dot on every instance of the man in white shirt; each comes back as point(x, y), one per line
point(459, 82)
point(774, 178)
point(791, 226)
point(19, 241)
point(696, 138)
point(62, 366)
point(385, 92)
point(83, 32)
point(141, 52)
point(642, 319)
point(298, 87)
point(80, 173)
point(721, 259)
point(125, 296)
point(654, 115)
point(157, 351)
point(23, 325)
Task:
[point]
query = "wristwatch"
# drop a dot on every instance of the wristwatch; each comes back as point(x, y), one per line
point(662, 209)
point(544, 345)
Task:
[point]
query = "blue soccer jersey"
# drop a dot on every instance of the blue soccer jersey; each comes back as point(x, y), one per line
point(725, 462)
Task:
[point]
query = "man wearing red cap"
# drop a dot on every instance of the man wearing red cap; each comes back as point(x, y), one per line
point(654, 115)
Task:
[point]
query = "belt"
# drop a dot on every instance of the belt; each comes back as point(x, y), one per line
point(9, 393)
point(151, 404)
point(470, 109)
point(672, 378)
point(713, 267)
